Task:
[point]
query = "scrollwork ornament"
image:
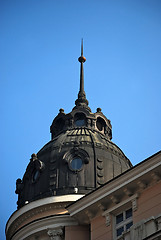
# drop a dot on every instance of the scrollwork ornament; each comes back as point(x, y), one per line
point(56, 234)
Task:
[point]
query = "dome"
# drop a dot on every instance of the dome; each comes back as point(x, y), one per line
point(79, 158)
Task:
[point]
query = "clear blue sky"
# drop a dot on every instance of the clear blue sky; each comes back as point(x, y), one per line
point(39, 74)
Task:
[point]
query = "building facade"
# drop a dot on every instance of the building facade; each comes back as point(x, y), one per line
point(80, 185)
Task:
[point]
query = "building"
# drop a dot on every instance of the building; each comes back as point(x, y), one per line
point(81, 185)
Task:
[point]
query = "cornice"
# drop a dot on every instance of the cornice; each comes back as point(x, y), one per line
point(39, 208)
point(44, 224)
point(132, 181)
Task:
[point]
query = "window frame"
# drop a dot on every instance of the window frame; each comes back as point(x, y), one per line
point(109, 214)
point(76, 169)
point(123, 223)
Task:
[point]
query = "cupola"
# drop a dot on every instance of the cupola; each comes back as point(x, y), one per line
point(79, 158)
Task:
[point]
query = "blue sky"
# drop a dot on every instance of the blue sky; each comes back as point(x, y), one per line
point(39, 74)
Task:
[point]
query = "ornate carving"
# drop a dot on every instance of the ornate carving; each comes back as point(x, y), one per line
point(134, 204)
point(19, 186)
point(88, 122)
point(19, 190)
point(93, 123)
point(100, 172)
point(35, 167)
point(71, 122)
point(56, 234)
point(108, 219)
point(108, 131)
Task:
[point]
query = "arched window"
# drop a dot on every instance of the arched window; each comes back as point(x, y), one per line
point(80, 119)
point(100, 124)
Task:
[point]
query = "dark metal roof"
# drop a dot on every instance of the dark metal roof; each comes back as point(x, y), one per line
point(79, 158)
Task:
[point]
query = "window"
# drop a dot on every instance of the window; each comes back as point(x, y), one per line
point(121, 215)
point(76, 158)
point(76, 164)
point(35, 176)
point(80, 119)
point(123, 221)
point(100, 123)
point(80, 122)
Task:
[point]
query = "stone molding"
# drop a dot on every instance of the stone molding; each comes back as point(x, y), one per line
point(36, 207)
point(131, 201)
point(47, 225)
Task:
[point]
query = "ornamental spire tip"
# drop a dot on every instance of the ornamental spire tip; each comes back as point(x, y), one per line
point(82, 101)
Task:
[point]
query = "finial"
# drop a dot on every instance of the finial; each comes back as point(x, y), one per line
point(82, 101)
point(61, 110)
point(82, 47)
point(82, 58)
point(99, 109)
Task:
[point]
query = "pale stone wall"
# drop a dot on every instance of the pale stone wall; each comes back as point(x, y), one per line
point(77, 233)
point(149, 203)
point(99, 230)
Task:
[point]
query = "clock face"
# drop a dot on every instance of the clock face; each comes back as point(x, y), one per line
point(35, 176)
point(76, 164)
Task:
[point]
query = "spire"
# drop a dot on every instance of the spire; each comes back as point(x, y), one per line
point(81, 59)
point(82, 101)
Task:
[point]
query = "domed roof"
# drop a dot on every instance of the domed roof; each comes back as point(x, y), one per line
point(79, 158)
